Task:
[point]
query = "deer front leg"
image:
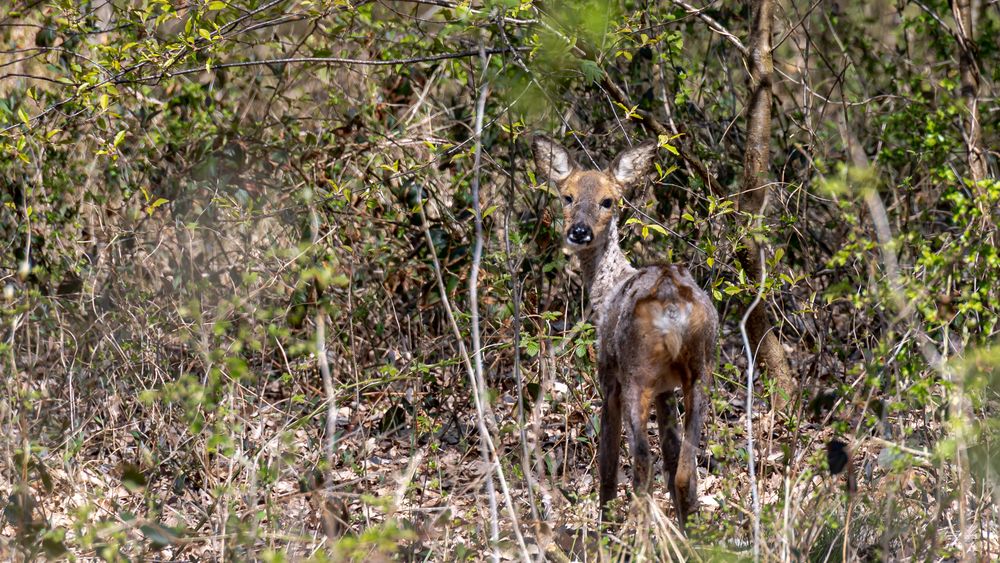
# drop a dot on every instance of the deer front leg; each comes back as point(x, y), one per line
point(609, 441)
point(686, 480)
point(637, 406)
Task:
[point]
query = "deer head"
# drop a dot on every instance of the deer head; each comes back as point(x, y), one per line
point(591, 198)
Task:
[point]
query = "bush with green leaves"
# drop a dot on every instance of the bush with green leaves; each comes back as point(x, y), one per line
point(226, 226)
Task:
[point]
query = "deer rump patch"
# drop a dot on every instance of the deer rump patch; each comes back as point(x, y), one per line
point(656, 313)
point(667, 320)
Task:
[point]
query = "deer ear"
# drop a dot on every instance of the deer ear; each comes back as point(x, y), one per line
point(552, 159)
point(632, 164)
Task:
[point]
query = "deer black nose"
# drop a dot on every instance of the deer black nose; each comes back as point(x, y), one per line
point(580, 234)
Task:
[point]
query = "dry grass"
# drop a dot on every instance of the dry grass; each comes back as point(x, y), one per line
point(126, 460)
point(162, 395)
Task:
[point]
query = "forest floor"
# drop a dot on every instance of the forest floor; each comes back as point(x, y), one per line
point(409, 482)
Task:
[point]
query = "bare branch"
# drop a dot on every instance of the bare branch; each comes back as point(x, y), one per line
point(325, 60)
point(936, 17)
point(712, 24)
point(970, 75)
point(481, 395)
point(751, 459)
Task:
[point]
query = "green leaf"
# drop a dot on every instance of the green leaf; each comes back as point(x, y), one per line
point(732, 289)
point(119, 138)
point(159, 535)
point(217, 5)
point(133, 477)
point(54, 546)
point(591, 70)
point(658, 228)
point(664, 141)
point(152, 206)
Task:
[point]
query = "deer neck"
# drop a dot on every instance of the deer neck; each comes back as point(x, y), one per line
point(604, 267)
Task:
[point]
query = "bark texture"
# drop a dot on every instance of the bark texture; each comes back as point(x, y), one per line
point(768, 351)
point(964, 12)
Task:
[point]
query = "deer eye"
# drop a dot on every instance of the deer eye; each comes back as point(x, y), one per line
point(568, 199)
point(606, 203)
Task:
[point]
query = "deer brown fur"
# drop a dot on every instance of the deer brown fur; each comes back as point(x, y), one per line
point(657, 330)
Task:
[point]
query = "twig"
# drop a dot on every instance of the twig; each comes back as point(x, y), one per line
point(924, 455)
point(329, 445)
point(750, 376)
point(486, 441)
point(324, 60)
point(936, 18)
point(686, 152)
point(712, 24)
point(513, 267)
point(32, 77)
point(463, 352)
point(479, 382)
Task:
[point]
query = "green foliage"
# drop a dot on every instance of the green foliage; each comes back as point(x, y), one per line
point(189, 191)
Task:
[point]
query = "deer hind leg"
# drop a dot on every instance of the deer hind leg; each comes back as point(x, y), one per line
point(637, 405)
point(670, 441)
point(609, 442)
point(686, 479)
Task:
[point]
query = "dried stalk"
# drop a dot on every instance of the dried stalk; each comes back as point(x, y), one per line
point(329, 445)
point(479, 392)
point(479, 387)
point(751, 357)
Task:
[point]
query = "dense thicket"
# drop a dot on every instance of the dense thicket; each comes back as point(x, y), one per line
point(279, 280)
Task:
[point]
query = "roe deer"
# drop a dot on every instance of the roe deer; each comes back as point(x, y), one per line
point(656, 328)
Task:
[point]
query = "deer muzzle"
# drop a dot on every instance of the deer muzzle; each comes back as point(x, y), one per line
point(580, 234)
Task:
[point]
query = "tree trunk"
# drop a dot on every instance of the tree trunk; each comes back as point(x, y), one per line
point(768, 351)
point(969, 70)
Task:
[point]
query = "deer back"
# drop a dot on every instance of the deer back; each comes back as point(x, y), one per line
point(659, 310)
